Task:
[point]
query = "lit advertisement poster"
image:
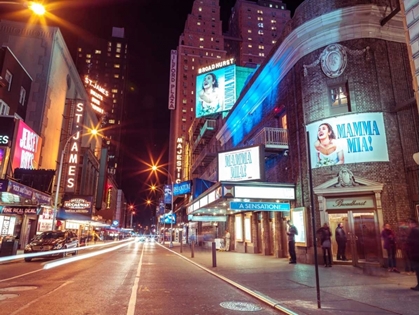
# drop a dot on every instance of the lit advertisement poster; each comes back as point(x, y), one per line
point(27, 148)
point(241, 165)
point(215, 91)
point(348, 139)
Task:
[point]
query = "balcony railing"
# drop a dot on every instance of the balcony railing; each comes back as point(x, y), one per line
point(271, 138)
point(206, 131)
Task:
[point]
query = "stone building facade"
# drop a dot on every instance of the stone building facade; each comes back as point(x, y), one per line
point(335, 64)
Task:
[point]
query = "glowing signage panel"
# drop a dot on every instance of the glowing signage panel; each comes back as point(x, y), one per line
point(241, 165)
point(74, 151)
point(348, 139)
point(216, 91)
point(27, 148)
point(172, 80)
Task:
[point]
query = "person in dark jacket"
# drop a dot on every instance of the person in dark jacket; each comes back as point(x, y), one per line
point(326, 234)
point(291, 232)
point(390, 245)
point(413, 249)
point(341, 238)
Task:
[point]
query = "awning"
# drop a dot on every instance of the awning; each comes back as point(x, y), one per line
point(225, 198)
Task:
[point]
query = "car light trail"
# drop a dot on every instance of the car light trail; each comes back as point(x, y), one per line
point(76, 258)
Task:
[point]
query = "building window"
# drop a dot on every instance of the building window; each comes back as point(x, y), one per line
point(22, 96)
point(4, 109)
point(8, 77)
point(119, 45)
point(97, 52)
point(117, 66)
point(339, 99)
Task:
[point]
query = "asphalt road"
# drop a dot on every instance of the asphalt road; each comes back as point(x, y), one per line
point(124, 278)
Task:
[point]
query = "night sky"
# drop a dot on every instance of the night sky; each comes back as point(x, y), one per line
point(152, 28)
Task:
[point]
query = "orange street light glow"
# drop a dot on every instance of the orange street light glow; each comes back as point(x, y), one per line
point(37, 8)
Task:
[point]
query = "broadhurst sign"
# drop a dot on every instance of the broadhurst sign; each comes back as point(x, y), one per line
point(241, 165)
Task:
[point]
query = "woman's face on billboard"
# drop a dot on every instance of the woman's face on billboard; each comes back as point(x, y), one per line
point(323, 132)
point(208, 81)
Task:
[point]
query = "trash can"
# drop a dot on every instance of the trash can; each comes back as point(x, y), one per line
point(9, 246)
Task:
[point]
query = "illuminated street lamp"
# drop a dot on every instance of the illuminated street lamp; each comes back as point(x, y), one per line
point(74, 136)
point(132, 213)
point(155, 188)
point(156, 168)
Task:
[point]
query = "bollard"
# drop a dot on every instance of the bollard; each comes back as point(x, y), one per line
point(213, 253)
point(192, 249)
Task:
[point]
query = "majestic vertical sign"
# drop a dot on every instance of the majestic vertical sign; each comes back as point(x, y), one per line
point(178, 155)
point(27, 149)
point(172, 80)
point(74, 148)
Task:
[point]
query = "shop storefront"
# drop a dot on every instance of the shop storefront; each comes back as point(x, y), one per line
point(248, 210)
point(20, 207)
point(355, 202)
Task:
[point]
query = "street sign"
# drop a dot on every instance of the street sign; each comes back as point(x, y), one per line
point(259, 206)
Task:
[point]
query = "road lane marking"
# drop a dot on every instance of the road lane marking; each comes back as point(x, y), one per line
point(133, 298)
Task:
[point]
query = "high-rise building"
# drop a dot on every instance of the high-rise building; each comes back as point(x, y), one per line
point(102, 64)
point(254, 27)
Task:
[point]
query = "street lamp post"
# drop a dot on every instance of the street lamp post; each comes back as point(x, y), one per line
point(155, 168)
point(60, 170)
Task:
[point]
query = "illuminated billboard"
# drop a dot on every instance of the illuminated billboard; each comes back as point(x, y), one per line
point(241, 165)
point(218, 89)
point(348, 139)
point(215, 91)
point(27, 147)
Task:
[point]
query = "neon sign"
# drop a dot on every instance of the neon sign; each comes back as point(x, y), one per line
point(217, 65)
point(179, 150)
point(97, 93)
point(73, 157)
point(27, 147)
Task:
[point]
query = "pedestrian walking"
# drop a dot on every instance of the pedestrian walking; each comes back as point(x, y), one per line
point(326, 234)
point(390, 245)
point(341, 238)
point(227, 240)
point(402, 233)
point(413, 249)
point(291, 232)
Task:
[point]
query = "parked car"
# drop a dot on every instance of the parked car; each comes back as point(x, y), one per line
point(51, 241)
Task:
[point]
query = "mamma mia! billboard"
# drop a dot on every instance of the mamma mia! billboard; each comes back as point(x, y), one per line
point(347, 139)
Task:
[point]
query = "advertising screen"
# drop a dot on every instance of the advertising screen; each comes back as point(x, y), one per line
point(348, 139)
point(215, 91)
point(27, 148)
point(167, 217)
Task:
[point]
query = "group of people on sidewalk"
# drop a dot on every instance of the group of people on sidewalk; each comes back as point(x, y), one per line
point(408, 244)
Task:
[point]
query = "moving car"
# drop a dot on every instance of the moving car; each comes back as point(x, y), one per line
point(52, 241)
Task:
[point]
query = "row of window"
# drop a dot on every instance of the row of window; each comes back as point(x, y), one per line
point(8, 77)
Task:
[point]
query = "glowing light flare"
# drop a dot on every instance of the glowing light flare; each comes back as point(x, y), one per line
point(37, 8)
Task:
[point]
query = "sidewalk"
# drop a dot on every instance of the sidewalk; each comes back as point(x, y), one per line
point(343, 289)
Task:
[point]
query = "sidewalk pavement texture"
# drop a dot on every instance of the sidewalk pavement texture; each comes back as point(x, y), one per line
point(291, 288)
